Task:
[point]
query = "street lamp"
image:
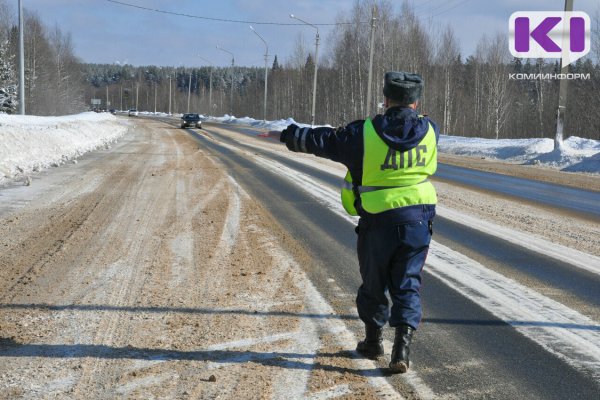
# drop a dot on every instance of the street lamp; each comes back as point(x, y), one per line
point(209, 83)
point(138, 76)
point(155, 85)
point(314, 97)
point(121, 83)
point(170, 92)
point(371, 47)
point(178, 108)
point(266, 61)
point(231, 92)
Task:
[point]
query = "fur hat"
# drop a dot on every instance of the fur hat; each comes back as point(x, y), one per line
point(402, 87)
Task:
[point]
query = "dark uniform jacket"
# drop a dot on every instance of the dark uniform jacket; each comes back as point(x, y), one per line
point(400, 128)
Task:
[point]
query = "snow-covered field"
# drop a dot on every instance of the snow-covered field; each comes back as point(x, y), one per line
point(30, 144)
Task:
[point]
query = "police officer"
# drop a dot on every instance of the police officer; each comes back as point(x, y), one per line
point(389, 160)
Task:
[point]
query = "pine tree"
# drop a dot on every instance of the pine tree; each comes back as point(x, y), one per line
point(8, 86)
point(310, 64)
point(276, 64)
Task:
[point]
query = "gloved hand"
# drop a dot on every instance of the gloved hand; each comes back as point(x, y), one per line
point(290, 130)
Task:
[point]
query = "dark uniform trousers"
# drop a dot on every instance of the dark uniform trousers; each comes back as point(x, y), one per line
point(391, 258)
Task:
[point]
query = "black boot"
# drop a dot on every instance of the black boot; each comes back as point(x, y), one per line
point(401, 350)
point(372, 346)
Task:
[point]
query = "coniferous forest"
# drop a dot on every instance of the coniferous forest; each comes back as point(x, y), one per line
point(469, 95)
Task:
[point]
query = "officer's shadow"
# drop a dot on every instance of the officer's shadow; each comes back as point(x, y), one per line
point(300, 361)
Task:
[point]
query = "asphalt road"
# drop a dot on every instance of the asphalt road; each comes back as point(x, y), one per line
point(461, 350)
point(575, 200)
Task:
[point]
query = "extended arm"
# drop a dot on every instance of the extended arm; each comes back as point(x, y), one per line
point(341, 145)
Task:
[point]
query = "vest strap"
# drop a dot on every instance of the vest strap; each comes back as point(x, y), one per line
point(366, 189)
point(347, 185)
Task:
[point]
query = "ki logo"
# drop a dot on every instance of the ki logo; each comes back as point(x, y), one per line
point(549, 34)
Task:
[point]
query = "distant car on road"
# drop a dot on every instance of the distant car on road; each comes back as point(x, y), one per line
point(133, 112)
point(192, 120)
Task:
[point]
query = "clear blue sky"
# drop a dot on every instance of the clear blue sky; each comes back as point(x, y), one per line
point(104, 32)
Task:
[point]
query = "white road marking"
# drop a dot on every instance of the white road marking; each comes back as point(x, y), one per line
point(562, 331)
point(565, 254)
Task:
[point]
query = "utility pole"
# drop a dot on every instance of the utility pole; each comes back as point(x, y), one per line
point(175, 95)
point(21, 63)
point(189, 91)
point(155, 97)
point(266, 67)
point(231, 91)
point(563, 87)
point(314, 95)
point(209, 84)
point(210, 90)
point(107, 97)
point(169, 94)
point(370, 81)
point(137, 92)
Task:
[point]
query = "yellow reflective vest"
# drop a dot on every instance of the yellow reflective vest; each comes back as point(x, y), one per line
point(392, 179)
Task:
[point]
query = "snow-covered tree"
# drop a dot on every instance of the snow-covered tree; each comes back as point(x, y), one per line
point(8, 84)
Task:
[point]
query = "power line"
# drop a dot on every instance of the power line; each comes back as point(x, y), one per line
point(422, 5)
point(448, 9)
point(433, 8)
point(222, 19)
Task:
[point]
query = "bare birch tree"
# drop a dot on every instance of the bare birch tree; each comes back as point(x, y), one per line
point(446, 58)
point(497, 57)
point(7, 19)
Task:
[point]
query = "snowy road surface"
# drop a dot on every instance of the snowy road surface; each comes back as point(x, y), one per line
point(143, 270)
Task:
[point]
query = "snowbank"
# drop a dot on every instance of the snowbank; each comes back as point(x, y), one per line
point(30, 143)
point(577, 154)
